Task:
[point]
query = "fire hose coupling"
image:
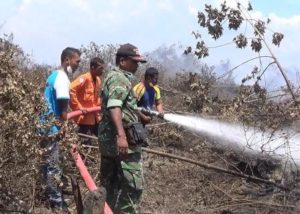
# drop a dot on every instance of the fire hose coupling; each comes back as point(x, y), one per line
point(150, 112)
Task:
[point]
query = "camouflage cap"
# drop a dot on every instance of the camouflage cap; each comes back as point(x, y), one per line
point(131, 51)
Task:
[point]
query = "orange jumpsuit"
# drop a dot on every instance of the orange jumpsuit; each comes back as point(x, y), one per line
point(84, 93)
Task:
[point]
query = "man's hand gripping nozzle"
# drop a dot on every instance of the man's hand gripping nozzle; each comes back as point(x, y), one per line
point(149, 112)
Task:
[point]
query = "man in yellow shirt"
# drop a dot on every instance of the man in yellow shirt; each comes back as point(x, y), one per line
point(148, 92)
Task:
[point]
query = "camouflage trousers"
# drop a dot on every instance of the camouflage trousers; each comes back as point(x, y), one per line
point(51, 173)
point(123, 180)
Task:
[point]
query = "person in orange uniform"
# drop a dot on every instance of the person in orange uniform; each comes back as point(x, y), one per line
point(84, 93)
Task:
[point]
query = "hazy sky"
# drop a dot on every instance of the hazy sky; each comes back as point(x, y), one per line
point(44, 27)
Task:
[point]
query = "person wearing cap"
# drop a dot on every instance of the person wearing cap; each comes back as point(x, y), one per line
point(121, 164)
point(148, 92)
point(84, 93)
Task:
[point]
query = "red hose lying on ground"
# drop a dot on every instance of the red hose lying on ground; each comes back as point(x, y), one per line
point(79, 112)
point(86, 175)
point(82, 169)
point(79, 162)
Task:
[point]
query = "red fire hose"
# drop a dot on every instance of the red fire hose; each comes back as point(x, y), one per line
point(86, 175)
point(79, 112)
point(79, 162)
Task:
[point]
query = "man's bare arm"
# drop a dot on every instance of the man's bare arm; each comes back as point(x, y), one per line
point(159, 106)
point(63, 105)
point(116, 116)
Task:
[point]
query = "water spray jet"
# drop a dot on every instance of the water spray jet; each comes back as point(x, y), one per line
point(283, 145)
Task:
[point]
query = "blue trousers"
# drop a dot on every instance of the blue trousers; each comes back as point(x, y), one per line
point(51, 173)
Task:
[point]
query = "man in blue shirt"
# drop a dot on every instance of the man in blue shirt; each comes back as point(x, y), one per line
point(148, 92)
point(57, 98)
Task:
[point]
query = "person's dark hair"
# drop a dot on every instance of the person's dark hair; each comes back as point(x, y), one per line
point(96, 61)
point(150, 72)
point(68, 52)
point(118, 59)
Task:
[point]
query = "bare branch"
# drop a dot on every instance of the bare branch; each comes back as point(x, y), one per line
point(275, 59)
point(245, 62)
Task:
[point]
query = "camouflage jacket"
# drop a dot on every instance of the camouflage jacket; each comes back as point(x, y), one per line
point(117, 92)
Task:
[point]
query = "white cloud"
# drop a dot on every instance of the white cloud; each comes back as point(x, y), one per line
point(193, 10)
point(83, 5)
point(7, 9)
point(25, 4)
point(290, 22)
point(140, 9)
point(44, 26)
point(166, 5)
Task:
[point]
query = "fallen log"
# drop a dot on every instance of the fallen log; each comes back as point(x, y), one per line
point(203, 165)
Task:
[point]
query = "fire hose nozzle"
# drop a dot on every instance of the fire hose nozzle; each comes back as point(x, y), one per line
point(150, 112)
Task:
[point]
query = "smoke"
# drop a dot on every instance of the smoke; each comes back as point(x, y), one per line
point(283, 144)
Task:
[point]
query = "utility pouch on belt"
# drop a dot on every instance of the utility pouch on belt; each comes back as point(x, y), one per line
point(136, 134)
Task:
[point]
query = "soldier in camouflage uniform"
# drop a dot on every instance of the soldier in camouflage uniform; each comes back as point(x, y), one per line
point(121, 164)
